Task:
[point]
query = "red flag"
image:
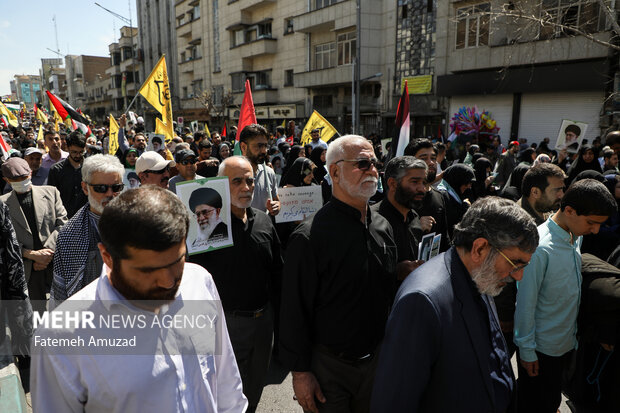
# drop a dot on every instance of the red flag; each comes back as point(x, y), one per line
point(224, 131)
point(247, 115)
point(4, 148)
point(400, 142)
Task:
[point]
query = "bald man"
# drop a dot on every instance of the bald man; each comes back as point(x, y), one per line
point(339, 285)
point(247, 276)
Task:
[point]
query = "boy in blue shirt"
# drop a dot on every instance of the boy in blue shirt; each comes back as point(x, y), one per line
point(549, 294)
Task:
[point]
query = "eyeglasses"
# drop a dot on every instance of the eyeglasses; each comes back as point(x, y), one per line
point(188, 162)
point(363, 164)
point(514, 267)
point(102, 188)
point(160, 172)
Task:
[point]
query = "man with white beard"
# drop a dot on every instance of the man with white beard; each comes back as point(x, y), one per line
point(77, 260)
point(443, 331)
point(339, 285)
point(206, 204)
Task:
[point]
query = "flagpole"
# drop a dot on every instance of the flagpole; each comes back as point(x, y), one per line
point(130, 104)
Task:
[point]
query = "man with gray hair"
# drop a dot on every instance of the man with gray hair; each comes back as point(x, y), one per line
point(77, 261)
point(443, 332)
point(247, 276)
point(405, 178)
point(339, 285)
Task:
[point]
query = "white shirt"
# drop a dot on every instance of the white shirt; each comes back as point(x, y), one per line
point(165, 382)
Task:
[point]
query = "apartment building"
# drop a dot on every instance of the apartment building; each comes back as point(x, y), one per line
point(298, 57)
point(26, 89)
point(81, 71)
point(124, 68)
point(157, 37)
point(523, 63)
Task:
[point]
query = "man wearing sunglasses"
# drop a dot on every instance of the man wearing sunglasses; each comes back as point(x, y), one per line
point(443, 349)
point(78, 261)
point(186, 165)
point(153, 169)
point(549, 295)
point(338, 286)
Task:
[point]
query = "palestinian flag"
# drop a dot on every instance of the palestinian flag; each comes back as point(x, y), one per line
point(78, 121)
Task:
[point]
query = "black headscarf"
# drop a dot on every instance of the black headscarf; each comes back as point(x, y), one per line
point(319, 171)
point(301, 168)
point(293, 154)
point(580, 165)
point(458, 175)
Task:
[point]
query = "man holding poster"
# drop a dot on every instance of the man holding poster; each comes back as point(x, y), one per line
point(247, 276)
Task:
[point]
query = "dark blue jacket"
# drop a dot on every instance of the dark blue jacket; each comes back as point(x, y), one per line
point(435, 355)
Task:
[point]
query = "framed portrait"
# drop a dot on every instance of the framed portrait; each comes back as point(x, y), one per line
point(208, 203)
point(570, 135)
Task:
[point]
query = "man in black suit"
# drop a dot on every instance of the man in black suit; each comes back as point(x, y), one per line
point(443, 349)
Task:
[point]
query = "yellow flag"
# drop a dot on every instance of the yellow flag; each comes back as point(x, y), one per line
point(113, 137)
point(55, 116)
point(317, 121)
point(41, 116)
point(284, 123)
point(156, 90)
point(207, 132)
point(40, 135)
point(11, 118)
point(160, 127)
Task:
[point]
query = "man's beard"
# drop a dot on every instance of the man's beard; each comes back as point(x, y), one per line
point(96, 205)
point(361, 191)
point(407, 198)
point(256, 159)
point(77, 159)
point(486, 278)
point(205, 230)
point(155, 297)
point(542, 206)
point(431, 174)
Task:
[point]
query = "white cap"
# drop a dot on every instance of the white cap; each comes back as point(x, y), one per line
point(152, 161)
point(30, 151)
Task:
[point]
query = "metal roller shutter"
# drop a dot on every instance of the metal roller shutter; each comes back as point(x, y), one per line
point(498, 106)
point(542, 114)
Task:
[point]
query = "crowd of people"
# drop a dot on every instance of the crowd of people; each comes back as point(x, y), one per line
point(529, 242)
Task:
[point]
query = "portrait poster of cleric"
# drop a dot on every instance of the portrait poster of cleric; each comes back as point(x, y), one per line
point(208, 201)
point(570, 135)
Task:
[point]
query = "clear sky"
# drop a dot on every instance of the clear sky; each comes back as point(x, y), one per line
point(27, 31)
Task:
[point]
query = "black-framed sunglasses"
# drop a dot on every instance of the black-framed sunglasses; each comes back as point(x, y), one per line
point(188, 162)
point(160, 172)
point(363, 164)
point(102, 188)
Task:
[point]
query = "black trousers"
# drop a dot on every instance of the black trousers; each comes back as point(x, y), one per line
point(39, 285)
point(347, 387)
point(542, 393)
point(252, 340)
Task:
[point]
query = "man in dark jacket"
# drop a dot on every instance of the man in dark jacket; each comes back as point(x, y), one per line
point(66, 175)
